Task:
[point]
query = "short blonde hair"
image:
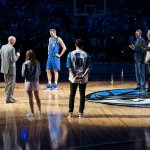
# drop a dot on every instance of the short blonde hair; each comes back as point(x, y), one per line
point(52, 30)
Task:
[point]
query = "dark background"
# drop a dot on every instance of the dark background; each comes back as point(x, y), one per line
point(106, 34)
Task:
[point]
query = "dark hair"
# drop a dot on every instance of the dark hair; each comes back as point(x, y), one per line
point(30, 55)
point(54, 30)
point(79, 43)
point(139, 30)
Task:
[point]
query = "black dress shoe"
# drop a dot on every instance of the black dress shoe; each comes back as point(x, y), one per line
point(9, 101)
point(14, 100)
point(148, 90)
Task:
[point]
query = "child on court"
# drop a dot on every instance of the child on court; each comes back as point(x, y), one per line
point(31, 71)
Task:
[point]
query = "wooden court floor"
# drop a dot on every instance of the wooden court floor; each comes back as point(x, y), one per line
point(105, 127)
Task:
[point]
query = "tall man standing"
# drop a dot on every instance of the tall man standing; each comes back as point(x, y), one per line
point(53, 61)
point(8, 67)
point(139, 60)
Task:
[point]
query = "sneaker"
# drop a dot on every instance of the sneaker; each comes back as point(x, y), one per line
point(30, 114)
point(143, 90)
point(137, 88)
point(54, 87)
point(39, 115)
point(9, 100)
point(14, 100)
point(49, 86)
point(81, 115)
point(70, 114)
point(148, 91)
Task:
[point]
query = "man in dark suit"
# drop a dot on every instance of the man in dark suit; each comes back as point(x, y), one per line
point(139, 60)
point(8, 67)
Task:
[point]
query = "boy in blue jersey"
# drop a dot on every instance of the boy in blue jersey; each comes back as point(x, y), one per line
point(79, 65)
point(53, 61)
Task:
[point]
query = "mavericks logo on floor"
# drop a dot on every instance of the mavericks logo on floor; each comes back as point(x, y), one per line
point(121, 97)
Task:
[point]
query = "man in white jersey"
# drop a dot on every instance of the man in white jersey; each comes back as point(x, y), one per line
point(79, 65)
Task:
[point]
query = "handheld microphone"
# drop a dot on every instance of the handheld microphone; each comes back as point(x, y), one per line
point(19, 51)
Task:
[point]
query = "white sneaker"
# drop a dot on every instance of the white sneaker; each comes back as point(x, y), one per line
point(30, 114)
point(81, 115)
point(70, 114)
point(39, 115)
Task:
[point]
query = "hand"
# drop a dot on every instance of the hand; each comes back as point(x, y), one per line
point(57, 55)
point(146, 48)
point(131, 46)
point(18, 54)
point(79, 78)
point(74, 74)
point(146, 62)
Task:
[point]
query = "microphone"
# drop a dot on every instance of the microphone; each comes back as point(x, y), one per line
point(19, 51)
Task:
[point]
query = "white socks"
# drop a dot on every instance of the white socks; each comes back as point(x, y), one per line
point(51, 83)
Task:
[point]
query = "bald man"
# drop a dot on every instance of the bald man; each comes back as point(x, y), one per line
point(8, 67)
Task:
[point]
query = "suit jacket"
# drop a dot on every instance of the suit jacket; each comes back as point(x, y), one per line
point(8, 59)
point(139, 53)
point(147, 54)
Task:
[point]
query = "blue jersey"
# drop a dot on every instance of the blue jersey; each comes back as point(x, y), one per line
point(53, 62)
point(54, 48)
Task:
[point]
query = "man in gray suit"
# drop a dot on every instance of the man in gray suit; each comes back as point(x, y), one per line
point(8, 67)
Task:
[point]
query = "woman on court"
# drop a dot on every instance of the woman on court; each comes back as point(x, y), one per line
point(31, 71)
